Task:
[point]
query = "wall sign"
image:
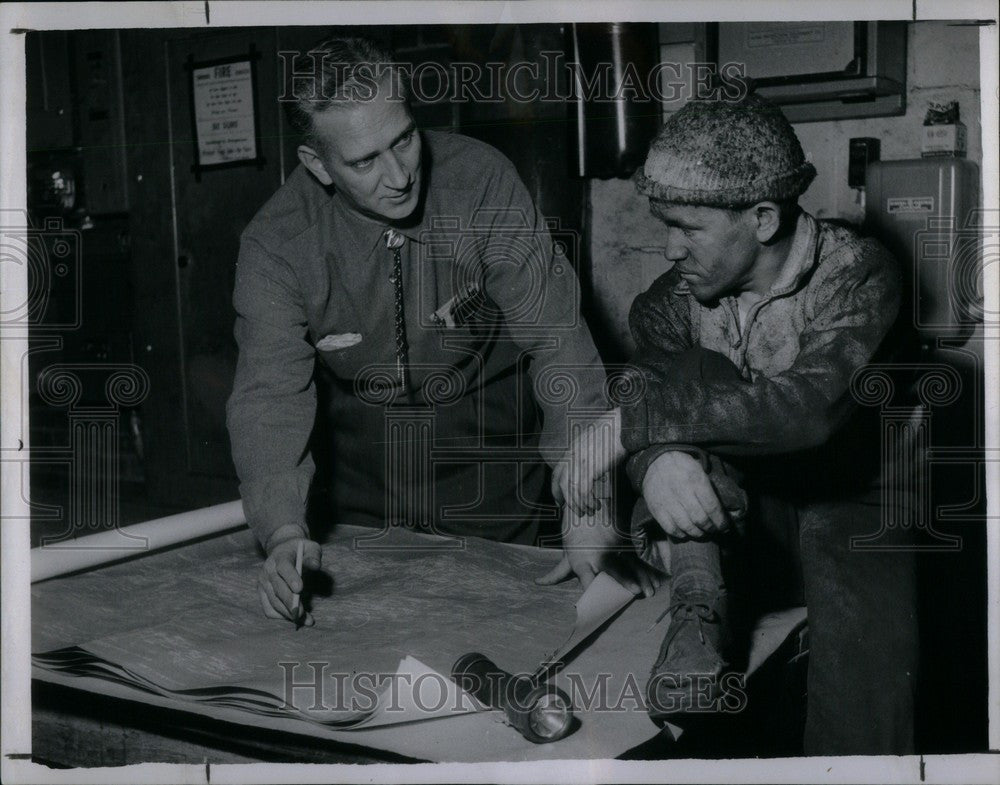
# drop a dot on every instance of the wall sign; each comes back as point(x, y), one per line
point(224, 112)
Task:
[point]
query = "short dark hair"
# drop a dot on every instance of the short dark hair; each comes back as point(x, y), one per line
point(348, 68)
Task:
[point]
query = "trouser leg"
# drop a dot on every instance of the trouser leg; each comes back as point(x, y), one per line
point(695, 569)
point(862, 635)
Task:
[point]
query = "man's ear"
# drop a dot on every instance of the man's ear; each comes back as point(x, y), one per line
point(767, 220)
point(310, 160)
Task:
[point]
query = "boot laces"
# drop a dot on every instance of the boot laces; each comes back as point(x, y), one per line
point(688, 611)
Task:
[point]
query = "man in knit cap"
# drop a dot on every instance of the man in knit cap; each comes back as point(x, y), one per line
point(746, 349)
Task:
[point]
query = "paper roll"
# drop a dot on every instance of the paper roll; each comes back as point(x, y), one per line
point(59, 558)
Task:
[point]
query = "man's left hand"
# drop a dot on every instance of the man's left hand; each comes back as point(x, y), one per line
point(592, 545)
point(592, 454)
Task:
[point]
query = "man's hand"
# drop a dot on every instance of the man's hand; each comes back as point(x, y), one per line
point(592, 454)
point(681, 498)
point(592, 545)
point(279, 583)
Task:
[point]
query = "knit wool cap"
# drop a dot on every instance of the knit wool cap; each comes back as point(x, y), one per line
point(725, 154)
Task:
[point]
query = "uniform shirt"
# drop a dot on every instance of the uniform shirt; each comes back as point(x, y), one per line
point(313, 283)
point(826, 316)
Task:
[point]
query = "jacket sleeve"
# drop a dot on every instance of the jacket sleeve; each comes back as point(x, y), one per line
point(534, 285)
point(272, 409)
point(660, 322)
point(855, 303)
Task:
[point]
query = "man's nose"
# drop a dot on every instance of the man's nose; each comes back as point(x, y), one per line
point(674, 250)
point(396, 176)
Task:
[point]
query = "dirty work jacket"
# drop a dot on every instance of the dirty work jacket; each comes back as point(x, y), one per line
point(827, 315)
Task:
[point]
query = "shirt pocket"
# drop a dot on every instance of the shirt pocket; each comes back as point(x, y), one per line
point(469, 317)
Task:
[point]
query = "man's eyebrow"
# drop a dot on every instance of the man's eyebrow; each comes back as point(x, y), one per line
point(408, 130)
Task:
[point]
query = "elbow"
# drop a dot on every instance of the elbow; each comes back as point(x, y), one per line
point(811, 431)
point(806, 416)
point(816, 435)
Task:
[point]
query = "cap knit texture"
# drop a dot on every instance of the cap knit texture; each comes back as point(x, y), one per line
point(725, 154)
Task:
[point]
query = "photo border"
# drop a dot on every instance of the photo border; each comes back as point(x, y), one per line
point(15, 680)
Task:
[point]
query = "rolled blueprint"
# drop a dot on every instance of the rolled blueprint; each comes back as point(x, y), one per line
point(65, 556)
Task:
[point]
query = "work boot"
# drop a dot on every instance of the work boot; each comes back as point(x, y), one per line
point(693, 656)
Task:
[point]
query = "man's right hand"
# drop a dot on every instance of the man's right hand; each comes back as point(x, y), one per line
point(591, 545)
point(280, 585)
point(681, 498)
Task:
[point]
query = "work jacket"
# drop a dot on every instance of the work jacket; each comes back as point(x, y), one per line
point(799, 416)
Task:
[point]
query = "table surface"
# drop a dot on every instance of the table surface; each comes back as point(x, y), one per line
point(397, 594)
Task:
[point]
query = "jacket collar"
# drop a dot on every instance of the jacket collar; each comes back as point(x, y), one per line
point(801, 257)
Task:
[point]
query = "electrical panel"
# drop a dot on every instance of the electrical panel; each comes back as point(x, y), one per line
point(927, 212)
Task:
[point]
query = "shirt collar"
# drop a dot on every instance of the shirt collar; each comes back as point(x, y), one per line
point(369, 233)
point(365, 233)
point(801, 256)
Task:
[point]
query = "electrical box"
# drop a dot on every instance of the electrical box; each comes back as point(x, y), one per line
point(862, 152)
point(926, 211)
